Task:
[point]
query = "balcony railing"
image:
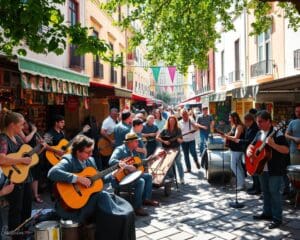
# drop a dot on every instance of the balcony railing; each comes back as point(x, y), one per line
point(297, 59)
point(221, 80)
point(261, 68)
point(234, 76)
point(76, 61)
point(203, 89)
point(98, 70)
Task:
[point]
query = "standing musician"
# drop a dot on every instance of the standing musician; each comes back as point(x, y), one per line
point(56, 133)
point(137, 127)
point(150, 131)
point(20, 198)
point(172, 132)
point(114, 216)
point(122, 128)
point(272, 177)
point(293, 134)
point(251, 131)
point(206, 123)
point(107, 130)
point(237, 152)
point(143, 185)
point(188, 145)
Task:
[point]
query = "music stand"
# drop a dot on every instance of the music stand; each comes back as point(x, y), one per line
point(236, 204)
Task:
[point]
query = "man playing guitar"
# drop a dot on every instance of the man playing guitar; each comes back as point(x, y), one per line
point(143, 185)
point(272, 177)
point(293, 134)
point(113, 214)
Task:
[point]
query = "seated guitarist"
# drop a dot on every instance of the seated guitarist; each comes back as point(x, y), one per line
point(113, 214)
point(21, 197)
point(143, 185)
point(271, 179)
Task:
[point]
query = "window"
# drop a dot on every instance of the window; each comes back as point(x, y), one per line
point(237, 59)
point(73, 12)
point(222, 63)
point(297, 59)
point(264, 52)
point(113, 78)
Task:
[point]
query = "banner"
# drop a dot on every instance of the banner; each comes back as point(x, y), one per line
point(172, 71)
point(155, 72)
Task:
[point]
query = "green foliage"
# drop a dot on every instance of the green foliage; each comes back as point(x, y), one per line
point(181, 32)
point(40, 26)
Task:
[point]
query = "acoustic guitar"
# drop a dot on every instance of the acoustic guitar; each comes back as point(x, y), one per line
point(138, 163)
point(17, 173)
point(262, 153)
point(105, 147)
point(171, 139)
point(63, 145)
point(76, 195)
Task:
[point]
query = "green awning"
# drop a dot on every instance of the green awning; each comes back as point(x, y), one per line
point(34, 67)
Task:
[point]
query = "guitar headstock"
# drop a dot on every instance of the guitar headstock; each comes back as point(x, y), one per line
point(86, 128)
point(281, 126)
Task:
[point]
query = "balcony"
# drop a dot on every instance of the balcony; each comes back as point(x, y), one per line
point(203, 89)
point(76, 61)
point(261, 68)
point(221, 81)
point(234, 76)
point(98, 70)
point(297, 59)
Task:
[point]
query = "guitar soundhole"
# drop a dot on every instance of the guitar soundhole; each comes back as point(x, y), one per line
point(26, 155)
point(64, 148)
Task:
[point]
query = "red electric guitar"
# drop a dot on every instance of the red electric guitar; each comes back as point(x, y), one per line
point(262, 153)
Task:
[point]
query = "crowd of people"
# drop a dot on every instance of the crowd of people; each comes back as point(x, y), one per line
point(125, 135)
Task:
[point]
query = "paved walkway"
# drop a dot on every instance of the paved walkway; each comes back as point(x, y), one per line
point(199, 210)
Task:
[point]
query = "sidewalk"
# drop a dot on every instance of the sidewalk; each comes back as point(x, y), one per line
point(199, 210)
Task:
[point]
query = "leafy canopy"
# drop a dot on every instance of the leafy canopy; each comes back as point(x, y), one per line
point(40, 26)
point(181, 32)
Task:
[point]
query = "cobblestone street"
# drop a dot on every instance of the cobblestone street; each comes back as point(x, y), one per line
point(199, 210)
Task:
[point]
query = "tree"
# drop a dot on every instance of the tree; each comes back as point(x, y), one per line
point(40, 26)
point(180, 32)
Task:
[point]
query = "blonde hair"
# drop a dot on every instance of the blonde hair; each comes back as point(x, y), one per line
point(7, 117)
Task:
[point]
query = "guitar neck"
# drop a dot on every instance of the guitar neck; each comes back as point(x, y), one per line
point(36, 149)
point(105, 172)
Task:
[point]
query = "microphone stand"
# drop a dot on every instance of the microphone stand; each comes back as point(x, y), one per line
point(236, 204)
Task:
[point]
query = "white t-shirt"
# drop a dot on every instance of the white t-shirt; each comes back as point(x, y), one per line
point(187, 127)
point(109, 125)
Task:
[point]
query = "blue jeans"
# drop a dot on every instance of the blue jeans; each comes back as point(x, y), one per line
point(189, 147)
point(203, 140)
point(142, 189)
point(179, 167)
point(237, 168)
point(272, 192)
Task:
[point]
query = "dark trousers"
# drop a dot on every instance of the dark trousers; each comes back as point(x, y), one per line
point(104, 162)
point(20, 201)
point(189, 147)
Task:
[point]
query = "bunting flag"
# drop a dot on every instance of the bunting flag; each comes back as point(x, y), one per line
point(172, 87)
point(166, 88)
point(172, 71)
point(155, 72)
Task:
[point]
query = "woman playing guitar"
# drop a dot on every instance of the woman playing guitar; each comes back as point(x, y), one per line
point(171, 138)
point(20, 198)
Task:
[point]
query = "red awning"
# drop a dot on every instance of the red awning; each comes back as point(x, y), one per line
point(98, 84)
point(137, 97)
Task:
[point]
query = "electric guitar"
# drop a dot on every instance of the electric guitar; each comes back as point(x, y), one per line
point(76, 195)
point(17, 173)
point(262, 153)
point(105, 147)
point(63, 145)
point(138, 163)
